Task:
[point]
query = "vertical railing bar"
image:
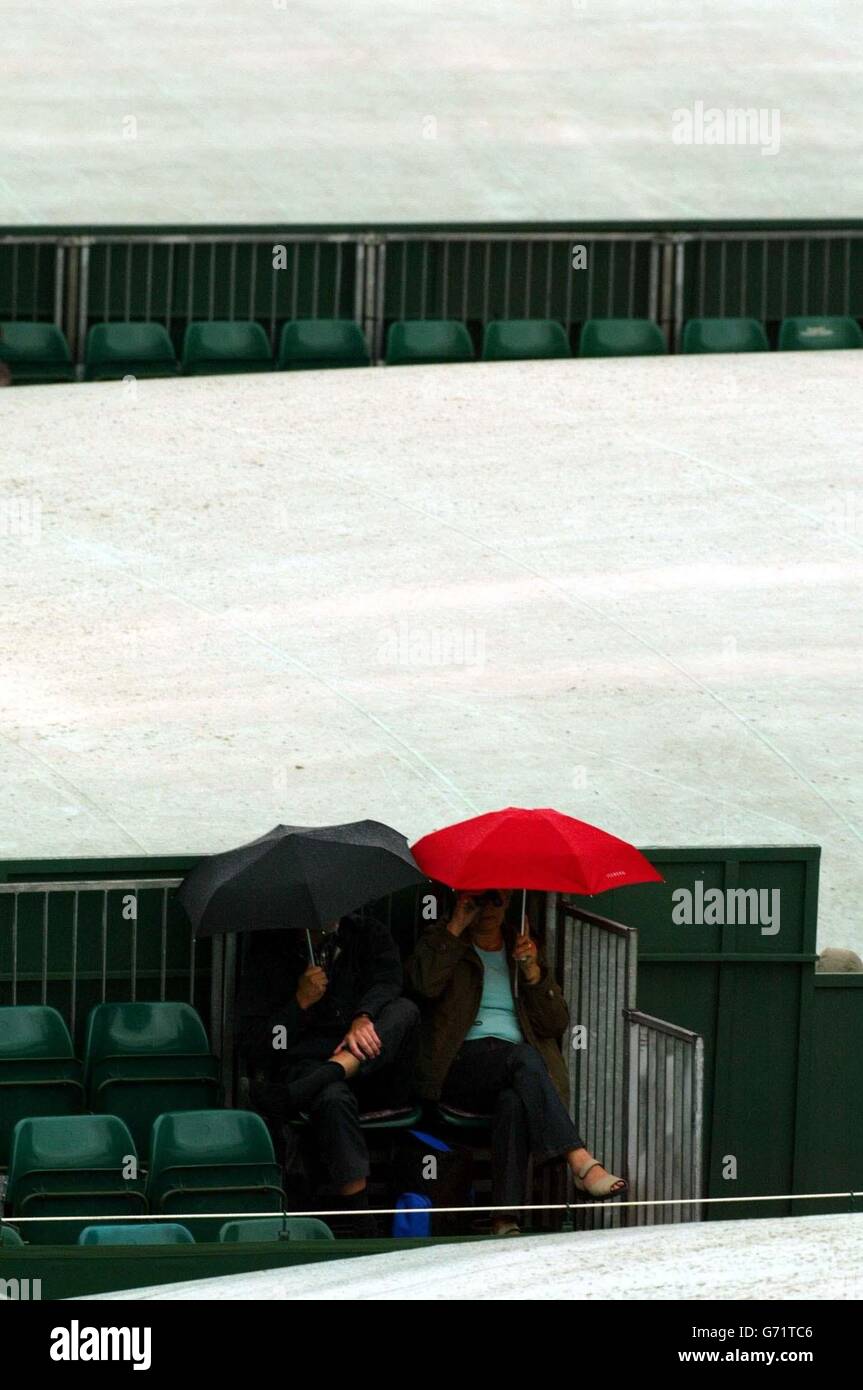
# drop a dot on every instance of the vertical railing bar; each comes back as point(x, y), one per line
point(403, 284)
point(686, 1134)
point(134, 954)
point(702, 273)
point(45, 949)
point(127, 296)
point(744, 248)
point(104, 944)
point(486, 283)
point(316, 275)
point(59, 277)
point(585, 1017)
point(73, 1003)
point(507, 277)
point(610, 300)
point(653, 282)
point(14, 280)
point(274, 289)
point(253, 281)
point(465, 284)
point(232, 282)
point(109, 247)
point(570, 273)
point(424, 280)
point(697, 1110)
point(37, 250)
point(337, 291)
point(784, 298)
point(528, 269)
point(211, 285)
point(83, 303)
point(190, 297)
point(723, 261)
point(630, 298)
point(163, 947)
point(825, 271)
point(193, 948)
point(169, 288)
point(295, 281)
point(549, 248)
point(445, 281)
point(847, 294)
point(148, 299)
point(679, 1183)
point(764, 282)
point(644, 1103)
point(379, 301)
point(805, 277)
point(15, 900)
point(359, 281)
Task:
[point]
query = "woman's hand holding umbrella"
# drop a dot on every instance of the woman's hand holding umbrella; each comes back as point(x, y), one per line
point(525, 954)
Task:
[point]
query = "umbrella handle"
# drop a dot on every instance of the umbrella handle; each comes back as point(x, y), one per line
point(312, 960)
point(521, 932)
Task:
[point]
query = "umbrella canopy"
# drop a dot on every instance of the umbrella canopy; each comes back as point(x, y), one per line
point(297, 876)
point(519, 848)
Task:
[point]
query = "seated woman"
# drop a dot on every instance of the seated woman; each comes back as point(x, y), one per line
point(490, 1048)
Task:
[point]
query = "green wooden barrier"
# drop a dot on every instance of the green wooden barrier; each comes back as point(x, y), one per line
point(750, 994)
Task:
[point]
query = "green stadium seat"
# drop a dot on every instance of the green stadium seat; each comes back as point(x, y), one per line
point(148, 1233)
point(144, 1059)
point(72, 1166)
point(806, 333)
point(457, 1118)
point(38, 1073)
point(724, 335)
point(315, 343)
point(275, 1228)
point(213, 1163)
point(10, 1238)
point(621, 338)
point(508, 340)
point(225, 346)
point(413, 342)
point(115, 350)
point(35, 353)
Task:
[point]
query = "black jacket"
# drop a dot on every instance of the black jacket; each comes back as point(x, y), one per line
point(364, 972)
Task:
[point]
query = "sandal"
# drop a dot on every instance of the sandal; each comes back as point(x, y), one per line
point(609, 1186)
point(507, 1228)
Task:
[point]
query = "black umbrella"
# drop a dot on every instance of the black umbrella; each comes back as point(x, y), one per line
point(297, 876)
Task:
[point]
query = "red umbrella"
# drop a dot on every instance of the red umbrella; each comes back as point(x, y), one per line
point(518, 848)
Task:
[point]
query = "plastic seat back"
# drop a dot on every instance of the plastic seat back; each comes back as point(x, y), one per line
point(413, 342)
point(33, 1032)
point(808, 332)
point(148, 1233)
point(120, 349)
point(143, 1029)
point(36, 352)
point(226, 346)
point(316, 343)
point(724, 335)
point(621, 338)
point(519, 339)
point(275, 1228)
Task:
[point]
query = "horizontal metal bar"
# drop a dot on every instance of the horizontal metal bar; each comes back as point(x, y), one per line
point(659, 1025)
point(593, 920)
point(758, 957)
point(89, 885)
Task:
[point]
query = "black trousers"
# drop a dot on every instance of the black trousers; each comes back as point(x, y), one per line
point(385, 1080)
point(510, 1082)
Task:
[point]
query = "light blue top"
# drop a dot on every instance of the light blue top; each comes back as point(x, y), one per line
point(496, 1017)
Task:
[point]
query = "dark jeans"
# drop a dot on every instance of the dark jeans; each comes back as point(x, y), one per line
point(510, 1082)
point(384, 1081)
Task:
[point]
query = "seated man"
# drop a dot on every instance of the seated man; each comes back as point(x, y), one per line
point(313, 1035)
point(488, 1047)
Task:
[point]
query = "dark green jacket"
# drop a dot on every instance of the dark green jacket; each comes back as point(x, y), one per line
point(446, 975)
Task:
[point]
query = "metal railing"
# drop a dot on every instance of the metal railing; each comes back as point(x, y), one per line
point(665, 1118)
point(636, 1083)
point(77, 943)
point(377, 277)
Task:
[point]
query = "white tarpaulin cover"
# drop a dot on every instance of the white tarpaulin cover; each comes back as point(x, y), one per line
point(627, 589)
